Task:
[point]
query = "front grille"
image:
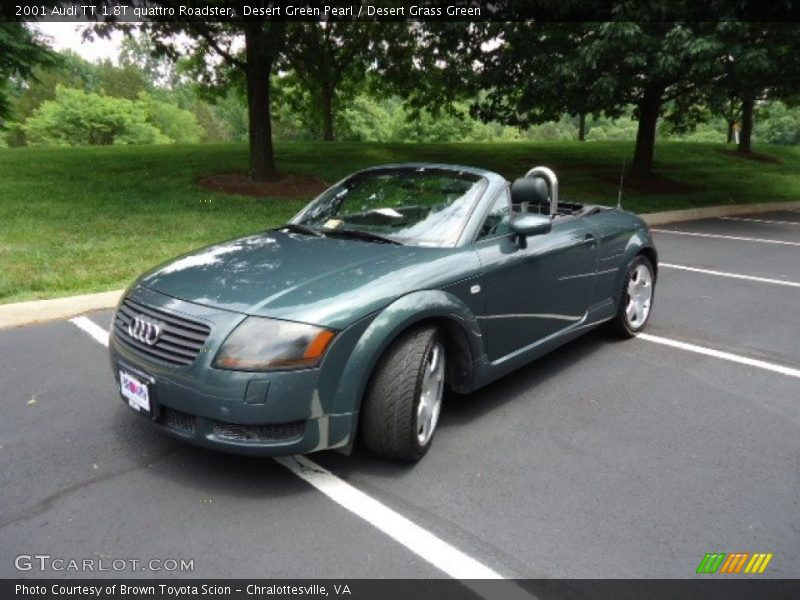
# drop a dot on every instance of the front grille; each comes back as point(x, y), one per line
point(180, 341)
point(177, 420)
point(280, 432)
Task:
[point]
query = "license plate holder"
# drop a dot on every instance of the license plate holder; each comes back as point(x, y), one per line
point(137, 392)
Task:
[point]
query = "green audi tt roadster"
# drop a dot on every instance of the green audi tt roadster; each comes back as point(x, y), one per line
point(348, 323)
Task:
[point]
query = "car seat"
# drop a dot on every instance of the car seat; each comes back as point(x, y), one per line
point(530, 194)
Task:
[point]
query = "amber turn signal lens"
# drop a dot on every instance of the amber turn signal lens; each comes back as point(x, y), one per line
point(317, 346)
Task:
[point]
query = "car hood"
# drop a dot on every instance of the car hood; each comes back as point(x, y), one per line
point(325, 281)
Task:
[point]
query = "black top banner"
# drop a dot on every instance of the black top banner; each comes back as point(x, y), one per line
point(138, 11)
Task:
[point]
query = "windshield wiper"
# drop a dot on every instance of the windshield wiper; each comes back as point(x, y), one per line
point(298, 228)
point(363, 235)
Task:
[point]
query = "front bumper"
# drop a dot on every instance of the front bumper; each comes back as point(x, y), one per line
point(269, 439)
point(268, 414)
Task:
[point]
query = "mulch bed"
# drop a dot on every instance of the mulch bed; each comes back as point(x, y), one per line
point(655, 184)
point(753, 156)
point(288, 187)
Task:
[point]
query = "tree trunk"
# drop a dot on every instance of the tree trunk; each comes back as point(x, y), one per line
point(730, 131)
point(649, 108)
point(258, 71)
point(582, 127)
point(745, 147)
point(327, 115)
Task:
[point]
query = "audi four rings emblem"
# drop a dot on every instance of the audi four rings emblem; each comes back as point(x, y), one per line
point(144, 330)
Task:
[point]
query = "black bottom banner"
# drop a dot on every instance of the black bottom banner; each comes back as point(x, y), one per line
point(402, 589)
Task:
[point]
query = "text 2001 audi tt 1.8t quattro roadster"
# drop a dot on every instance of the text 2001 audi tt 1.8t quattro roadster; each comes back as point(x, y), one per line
point(349, 322)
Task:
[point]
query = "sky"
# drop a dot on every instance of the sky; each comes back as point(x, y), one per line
point(68, 36)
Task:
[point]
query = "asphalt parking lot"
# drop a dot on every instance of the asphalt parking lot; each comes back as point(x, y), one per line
point(605, 459)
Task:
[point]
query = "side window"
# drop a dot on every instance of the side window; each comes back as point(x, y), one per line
point(496, 222)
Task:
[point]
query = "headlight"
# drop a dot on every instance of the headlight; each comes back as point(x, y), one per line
point(260, 344)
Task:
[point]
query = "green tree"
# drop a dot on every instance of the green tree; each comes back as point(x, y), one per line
point(141, 51)
point(230, 110)
point(178, 125)
point(68, 69)
point(364, 119)
point(264, 43)
point(124, 81)
point(324, 58)
point(778, 124)
point(21, 51)
point(758, 61)
point(433, 64)
point(332, 60)
point(295, 114)
point(531, 77)
point(252, 51)
point(539, 70)
point(213, 130)
point(726, 105)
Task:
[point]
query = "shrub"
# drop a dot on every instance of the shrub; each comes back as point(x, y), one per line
point(77, 118)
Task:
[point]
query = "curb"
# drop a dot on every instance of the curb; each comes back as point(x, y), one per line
point(27, 313)
point(708, 212)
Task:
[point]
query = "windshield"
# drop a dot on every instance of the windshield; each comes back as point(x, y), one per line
point(418, 206)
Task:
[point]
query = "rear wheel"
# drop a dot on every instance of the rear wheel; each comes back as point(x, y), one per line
point(403, 401)
point(636, 298)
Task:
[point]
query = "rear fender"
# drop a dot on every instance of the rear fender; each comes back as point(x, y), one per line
point(639, 242)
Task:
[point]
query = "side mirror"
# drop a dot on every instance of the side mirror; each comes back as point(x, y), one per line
point(526, 225)
point(531, 224)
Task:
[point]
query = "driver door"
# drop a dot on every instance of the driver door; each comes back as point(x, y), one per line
point(536, 291)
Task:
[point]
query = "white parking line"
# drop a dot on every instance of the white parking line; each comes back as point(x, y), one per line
point(731, 275)
point(726, 237)
point(742, 360)
point(420, 541)
point(767, 221)
point(93, 329)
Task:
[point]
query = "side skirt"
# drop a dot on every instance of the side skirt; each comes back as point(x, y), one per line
point(487, 371)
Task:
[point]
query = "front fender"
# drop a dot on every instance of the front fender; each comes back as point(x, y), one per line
point(393, 320)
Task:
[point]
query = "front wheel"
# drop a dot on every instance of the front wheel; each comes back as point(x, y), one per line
point(636, 298)
point(404, 397)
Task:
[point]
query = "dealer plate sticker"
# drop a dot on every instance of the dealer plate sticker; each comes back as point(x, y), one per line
point(134, 391)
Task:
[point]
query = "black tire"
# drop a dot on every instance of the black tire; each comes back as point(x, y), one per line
point(389, 409)
point(620, 326)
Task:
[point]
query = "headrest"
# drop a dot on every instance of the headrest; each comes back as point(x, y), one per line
point(533, 190)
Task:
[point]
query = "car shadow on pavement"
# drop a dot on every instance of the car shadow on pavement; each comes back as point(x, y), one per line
point(211, 472)
point(460, 410)
point(218, 473)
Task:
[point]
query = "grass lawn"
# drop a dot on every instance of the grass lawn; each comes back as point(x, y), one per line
point(77, 220)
